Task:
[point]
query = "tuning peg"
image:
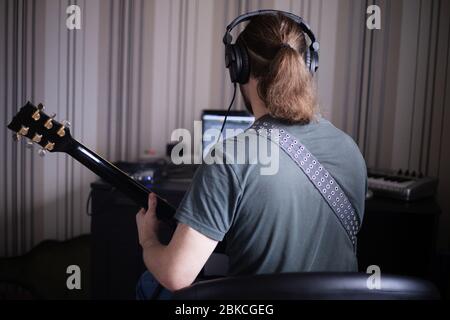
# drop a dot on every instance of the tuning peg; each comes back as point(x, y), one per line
point(49, 146)
point(40, 106)
point(16, 137)
point(49, 124)
point(42, 152)
point(37, 137)
point(36, 116)
point(29, 145)
point(24, 131)
point(62, 131)
point(66, 123)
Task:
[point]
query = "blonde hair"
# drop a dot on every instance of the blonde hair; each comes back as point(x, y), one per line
point(276, 47)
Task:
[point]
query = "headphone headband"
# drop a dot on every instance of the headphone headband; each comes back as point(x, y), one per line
point(236, 72)
point(249, 15)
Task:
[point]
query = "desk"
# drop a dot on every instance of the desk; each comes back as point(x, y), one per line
point(398, 237)
point(115, 253)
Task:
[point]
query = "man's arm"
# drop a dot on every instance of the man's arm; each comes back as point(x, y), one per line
point(176, 265)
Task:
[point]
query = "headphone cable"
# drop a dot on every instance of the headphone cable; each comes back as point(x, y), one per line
point(228, 111)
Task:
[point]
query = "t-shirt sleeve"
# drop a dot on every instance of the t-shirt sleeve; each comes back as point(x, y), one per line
point(210, 203)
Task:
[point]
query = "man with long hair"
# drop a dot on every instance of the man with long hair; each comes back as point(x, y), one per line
point(272, 223)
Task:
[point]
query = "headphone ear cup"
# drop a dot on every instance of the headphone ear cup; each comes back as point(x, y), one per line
point(244, 73)
point(231, 62)
point(314, 61)
point(308, 59)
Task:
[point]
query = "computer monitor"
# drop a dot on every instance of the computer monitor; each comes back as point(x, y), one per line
point(213, 119)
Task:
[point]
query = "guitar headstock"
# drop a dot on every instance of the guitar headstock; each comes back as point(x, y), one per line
point(33, 123)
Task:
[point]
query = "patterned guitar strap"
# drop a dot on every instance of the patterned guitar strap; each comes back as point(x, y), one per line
point(327, 186)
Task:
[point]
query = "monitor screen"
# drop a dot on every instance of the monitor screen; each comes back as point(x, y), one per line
point(213, 119)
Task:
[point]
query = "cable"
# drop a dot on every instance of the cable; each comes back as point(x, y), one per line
point(88, 204)
point(228, 111)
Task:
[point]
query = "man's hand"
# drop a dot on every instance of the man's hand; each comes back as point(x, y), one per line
point(177, 264)
point(148, 224)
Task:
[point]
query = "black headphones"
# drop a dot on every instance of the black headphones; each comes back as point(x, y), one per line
point(236, 55)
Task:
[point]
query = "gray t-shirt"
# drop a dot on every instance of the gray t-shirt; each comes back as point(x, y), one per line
point(279, 223)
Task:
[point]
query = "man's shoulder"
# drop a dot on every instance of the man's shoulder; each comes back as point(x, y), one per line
point(345, 139)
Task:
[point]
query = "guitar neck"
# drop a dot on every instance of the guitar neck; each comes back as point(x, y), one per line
point(119, 179)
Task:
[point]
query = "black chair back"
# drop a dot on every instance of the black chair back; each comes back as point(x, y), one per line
point(309, 286)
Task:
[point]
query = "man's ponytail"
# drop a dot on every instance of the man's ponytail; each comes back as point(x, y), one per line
point(287, 88)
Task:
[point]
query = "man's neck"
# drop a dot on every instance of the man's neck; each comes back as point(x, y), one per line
point(258, 106)
point(259, 110)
